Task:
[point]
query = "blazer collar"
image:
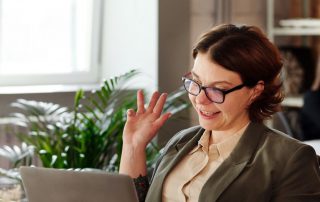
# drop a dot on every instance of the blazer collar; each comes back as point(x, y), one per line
point(231, 168)
point(222, 177)
point(171, 158)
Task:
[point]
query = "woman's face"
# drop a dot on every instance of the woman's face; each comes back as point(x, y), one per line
point(232, 113)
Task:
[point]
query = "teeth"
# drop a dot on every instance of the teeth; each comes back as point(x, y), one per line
point(207, 113)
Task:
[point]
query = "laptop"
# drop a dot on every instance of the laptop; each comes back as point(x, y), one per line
point(55, 185)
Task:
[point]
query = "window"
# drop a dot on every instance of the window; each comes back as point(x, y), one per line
point(49, 41)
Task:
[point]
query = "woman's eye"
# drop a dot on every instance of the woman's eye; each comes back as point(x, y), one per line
point(221, 88)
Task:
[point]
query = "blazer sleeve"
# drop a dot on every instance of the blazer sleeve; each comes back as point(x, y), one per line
point(300, 179)
point(142, 185)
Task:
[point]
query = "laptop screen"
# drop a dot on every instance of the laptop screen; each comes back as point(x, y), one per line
point(54, 185)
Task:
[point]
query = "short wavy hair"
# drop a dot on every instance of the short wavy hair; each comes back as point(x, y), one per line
point(248, 52)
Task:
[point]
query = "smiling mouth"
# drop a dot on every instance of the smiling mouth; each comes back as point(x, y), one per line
point(208, 114)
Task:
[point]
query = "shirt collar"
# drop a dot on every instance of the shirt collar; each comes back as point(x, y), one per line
point(203, 143)
point(224, 148)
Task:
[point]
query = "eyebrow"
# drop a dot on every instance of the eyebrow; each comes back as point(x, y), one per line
point(213, 83)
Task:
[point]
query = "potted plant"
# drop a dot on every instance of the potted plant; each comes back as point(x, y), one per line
point(90, 134)
point(10, 181)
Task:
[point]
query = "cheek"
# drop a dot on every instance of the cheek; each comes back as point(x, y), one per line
point(192, 99)
point(226, 108)
point(235, 106)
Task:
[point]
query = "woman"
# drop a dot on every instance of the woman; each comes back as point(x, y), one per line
point(234, 86)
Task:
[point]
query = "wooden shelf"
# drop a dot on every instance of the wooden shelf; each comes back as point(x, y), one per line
point(298, 31)
point(301, 28)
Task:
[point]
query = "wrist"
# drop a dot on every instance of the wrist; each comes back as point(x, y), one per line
point(133, 161)
point(134, 146)
point(133, 151)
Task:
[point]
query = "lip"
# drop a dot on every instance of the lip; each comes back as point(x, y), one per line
point(206, 116)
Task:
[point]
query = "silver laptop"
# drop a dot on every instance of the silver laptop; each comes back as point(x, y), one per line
point(53, 185)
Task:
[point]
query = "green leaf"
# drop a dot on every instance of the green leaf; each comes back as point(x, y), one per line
point(89, 134)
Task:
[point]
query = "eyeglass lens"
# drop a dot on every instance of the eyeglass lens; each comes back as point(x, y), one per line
point(215, 95)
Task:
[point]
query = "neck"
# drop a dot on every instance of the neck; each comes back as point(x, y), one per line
point(222, 135)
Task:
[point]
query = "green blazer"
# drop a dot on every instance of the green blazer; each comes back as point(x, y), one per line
point(266, 165)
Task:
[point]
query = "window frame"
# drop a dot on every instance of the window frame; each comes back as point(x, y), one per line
point(90, 77)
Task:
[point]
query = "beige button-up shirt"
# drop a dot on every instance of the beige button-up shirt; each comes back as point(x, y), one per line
point(185, 181)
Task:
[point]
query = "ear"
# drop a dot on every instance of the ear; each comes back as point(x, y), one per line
point(256, 91)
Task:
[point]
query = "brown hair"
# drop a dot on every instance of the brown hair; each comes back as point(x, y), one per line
point(247, 51)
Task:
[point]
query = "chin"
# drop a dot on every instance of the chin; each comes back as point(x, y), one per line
point(208, 125)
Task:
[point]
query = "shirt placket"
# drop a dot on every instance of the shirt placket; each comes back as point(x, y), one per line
point(201, 154)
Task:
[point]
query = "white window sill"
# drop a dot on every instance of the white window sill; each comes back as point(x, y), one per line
point(38, 89)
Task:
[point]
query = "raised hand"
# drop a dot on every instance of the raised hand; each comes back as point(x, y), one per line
point(143, 125)
point(140, 128)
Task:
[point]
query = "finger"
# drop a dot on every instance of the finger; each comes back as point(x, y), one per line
point(130, 113)
point(153, 101)
point(140, 102)
point(163, 118)
point(160, 103)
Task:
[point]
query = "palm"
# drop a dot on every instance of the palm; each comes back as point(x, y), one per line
point(143, 125)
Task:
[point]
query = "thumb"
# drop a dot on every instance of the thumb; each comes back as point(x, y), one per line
point(130, 113)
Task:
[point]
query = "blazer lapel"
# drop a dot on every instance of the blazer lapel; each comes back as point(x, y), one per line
point(231, 168)
point(171, 158)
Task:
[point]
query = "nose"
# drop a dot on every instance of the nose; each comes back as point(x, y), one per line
point(202, 98)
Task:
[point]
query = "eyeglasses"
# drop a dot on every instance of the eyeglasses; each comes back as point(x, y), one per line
point(215, 95)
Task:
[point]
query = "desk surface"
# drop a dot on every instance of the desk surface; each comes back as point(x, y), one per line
point(315, 144)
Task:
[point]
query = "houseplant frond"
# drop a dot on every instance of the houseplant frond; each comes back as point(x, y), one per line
point(18, 155)
point(90, 134)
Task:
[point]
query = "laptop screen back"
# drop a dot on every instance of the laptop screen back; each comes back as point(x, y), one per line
point(53, 185)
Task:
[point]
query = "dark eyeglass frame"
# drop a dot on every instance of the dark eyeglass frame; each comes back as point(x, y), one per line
point(204, 88)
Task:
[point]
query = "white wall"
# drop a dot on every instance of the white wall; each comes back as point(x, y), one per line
point(130, 39)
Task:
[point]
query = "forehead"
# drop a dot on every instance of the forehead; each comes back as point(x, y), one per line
point(209, 72)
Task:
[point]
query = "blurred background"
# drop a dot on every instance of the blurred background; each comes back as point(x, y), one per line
point(50, 49)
